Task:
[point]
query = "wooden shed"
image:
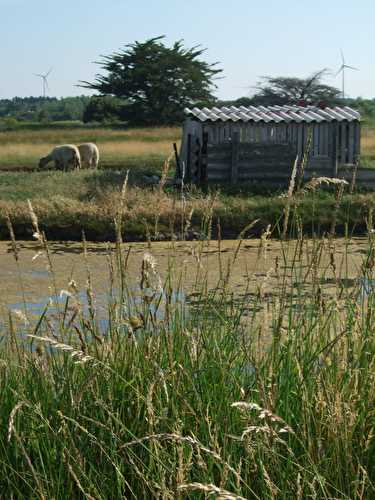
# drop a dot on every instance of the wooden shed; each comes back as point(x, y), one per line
point(238, 144)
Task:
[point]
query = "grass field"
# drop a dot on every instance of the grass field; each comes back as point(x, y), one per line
point(68, 203)
point(264, 395)
point(368, 147)
point(21, 149)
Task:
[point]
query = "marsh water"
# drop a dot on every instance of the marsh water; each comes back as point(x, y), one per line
point(29, 282)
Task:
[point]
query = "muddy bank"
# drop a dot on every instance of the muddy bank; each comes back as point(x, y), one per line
point(99, 229)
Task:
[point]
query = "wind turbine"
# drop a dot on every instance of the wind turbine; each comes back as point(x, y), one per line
point(44, 79)
point(342, 69)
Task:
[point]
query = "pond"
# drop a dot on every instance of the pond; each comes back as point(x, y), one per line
point(243, 267)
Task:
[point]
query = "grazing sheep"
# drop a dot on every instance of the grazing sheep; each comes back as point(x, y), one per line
point(89, 154)
point(65, 157)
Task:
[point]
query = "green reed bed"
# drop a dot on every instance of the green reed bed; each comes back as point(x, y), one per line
point(194, 393)
point(68, 203)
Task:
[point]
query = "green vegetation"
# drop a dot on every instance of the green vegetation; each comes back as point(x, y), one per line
point(68, 203)
point(291, 90)
point(266, 395)
point(367, 109)
point(41, 109)
point(154, 82)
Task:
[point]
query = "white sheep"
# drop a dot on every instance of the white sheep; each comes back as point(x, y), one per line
point(89, 154)
point(65, 157)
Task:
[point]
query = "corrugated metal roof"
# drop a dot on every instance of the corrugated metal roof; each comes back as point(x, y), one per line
point(274, 114)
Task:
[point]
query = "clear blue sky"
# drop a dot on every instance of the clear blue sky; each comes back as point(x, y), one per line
point(249, 38)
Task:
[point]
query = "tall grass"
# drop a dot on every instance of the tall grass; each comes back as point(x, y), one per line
point(196, 392)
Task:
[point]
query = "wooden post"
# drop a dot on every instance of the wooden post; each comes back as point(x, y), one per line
point(188, 161)
point(335, 149)
point(203, 172)
point(344, 141)
point(178, 164)
point(300, 140)
point(357, 147)
point(196, 171)
point(235, 155)
point(351, 142)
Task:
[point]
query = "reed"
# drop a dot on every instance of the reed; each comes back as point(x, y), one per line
point(269, 394)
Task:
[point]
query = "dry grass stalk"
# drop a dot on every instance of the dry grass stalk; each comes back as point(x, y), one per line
point(289, 197)
point(34, 221)
point(39, 491)
point(265, 415)
point(120, 212)
point(150, 282)
point(306, 156)
point(165, 171)
point(162, 182)
point(77, 481)
point(20, 315)
point(12, 236)
point(81, 356)
point(12, 417)
point(263, 241)
point(339, 194)
point(316, 182)
point(188, 222)
point(41, 238)
point(211, 490)
point(93, 438)
point(354, 175)
point(241, 237)
point(180, 439)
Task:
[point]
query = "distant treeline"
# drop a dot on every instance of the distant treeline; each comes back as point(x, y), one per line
point(43, 109)
point(110, 110)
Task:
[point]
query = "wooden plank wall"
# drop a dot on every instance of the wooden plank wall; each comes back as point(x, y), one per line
point(333, 143)
point(237, 161)
point(348, 142)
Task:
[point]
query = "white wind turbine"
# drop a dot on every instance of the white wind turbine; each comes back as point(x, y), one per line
point(342, 69)
point(45, 82)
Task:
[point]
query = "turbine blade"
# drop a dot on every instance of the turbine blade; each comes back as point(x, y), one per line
point(341, 68)
point(47, 74)
point(351, 67)
point(342, 56)
point(36, 74)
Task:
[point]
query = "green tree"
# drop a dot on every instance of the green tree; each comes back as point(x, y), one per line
point(156, 81)
point(292, 90)
point(102, 109)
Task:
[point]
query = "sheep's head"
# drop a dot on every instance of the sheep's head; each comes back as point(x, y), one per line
point(43, 162)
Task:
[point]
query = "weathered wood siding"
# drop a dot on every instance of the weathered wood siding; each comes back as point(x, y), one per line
point(236, 161)
point(238, 151)
point(331, 142)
